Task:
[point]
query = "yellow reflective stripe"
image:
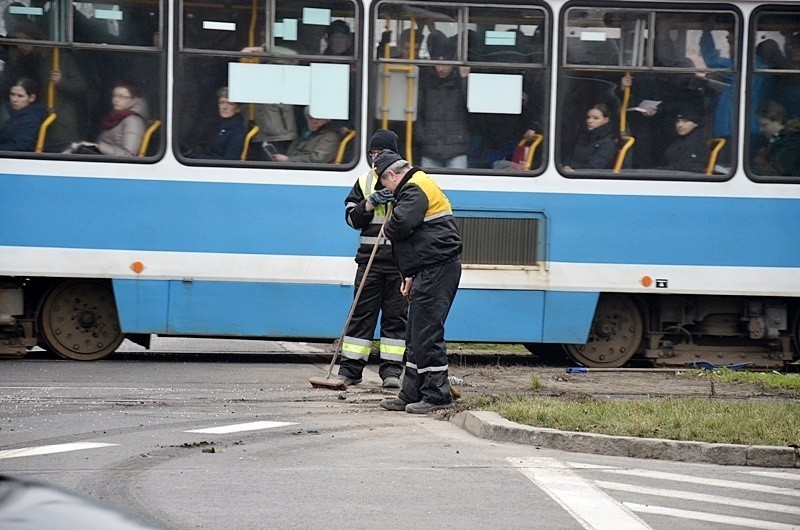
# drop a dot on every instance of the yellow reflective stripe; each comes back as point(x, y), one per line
point(353, 348)
point(397, 350)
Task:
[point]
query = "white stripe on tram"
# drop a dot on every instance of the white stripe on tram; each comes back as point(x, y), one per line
point(51, 449)
point(242, 427)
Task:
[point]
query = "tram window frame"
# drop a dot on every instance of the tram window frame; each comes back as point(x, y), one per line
point(67, 47)
point(459, 18)
point(266, 46)
point(603, 17)
point(770, 23)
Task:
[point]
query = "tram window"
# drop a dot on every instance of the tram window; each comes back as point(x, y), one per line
point(76, 79)
point(649, 69)
point(773, 110)
point(294, 82)
point(124, 23)
point(476, 79)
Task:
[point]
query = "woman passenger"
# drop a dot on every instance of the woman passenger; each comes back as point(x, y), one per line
point(596, 145)
point(20, 131)
point(123, 128)
point(781, 156)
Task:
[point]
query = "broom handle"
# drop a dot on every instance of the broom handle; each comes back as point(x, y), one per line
point(361, 284)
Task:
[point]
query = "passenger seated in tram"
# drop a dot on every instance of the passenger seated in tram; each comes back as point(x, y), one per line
point(122, 129)
point(318, 143)
point(596, 145)
point(25, 115)
point(276, 121)
point(223, 136)
point(70, 86)
point(339, 39)
point(689, 150)
point(781, 155)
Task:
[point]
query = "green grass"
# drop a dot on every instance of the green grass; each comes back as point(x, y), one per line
point(695, 419)
point(767, 380)
point(455, 347)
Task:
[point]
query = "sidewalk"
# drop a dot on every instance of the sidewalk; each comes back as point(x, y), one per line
point(492, 426)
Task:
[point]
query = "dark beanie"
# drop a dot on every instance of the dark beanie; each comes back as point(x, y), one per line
point(384, 139)
point(385, 159)
point(689, 113)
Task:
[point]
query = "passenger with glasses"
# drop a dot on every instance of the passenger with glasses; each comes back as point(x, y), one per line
point(122, 129)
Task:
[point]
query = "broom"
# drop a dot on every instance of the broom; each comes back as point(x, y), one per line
point(338, 384)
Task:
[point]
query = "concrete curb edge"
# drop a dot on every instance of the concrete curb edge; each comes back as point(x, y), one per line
point(492, 426)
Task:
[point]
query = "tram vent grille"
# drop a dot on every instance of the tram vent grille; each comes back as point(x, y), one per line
point(492, 241)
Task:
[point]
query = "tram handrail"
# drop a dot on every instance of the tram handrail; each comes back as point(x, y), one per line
point(349, 135)
point(246, 147)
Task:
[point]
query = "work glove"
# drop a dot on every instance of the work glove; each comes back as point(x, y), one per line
point(382, 196)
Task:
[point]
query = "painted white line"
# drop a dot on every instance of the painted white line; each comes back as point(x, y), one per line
point(241, 427)
point(709, 517)
point(675, 477)
point(783, 475)
point(592, 508)
point(700, 497)
point(51, 449)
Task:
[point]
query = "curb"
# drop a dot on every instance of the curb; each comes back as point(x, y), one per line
point(492, 426)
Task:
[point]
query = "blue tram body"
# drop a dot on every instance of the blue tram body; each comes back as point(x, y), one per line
point(666, 265)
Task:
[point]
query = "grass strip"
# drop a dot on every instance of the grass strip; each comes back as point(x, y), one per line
point(693, 419)
point(766, 380)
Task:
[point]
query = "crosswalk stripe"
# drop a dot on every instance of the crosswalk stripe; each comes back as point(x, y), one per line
point(661, 475)
point(591, 507)
point(51, 449)
point(783, 475)
point(709, 517)
point(241, 427)
point(700, 497)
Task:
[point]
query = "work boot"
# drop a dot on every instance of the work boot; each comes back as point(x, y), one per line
point(391, 382)
point(423, 407)
point(395, 404)
point(348, 381)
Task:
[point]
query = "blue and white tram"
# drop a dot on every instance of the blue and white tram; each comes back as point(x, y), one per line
point(631, 259)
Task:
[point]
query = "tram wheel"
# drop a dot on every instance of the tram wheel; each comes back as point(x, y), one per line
point(78, 320)
point(615, 335)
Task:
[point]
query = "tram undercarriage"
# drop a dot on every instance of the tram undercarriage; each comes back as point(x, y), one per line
point(679, 330)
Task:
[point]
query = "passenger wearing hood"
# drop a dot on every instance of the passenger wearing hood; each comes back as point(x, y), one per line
point(596, 146)
point(123, 128)
point(19, 132)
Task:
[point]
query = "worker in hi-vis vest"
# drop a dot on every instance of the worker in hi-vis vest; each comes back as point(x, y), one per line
point(365, 210)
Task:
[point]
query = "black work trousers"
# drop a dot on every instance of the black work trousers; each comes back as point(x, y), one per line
point(432, 294)
point(380, 296)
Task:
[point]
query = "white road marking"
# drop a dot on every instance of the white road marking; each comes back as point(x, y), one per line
point(660, 475)
point(783, 475)
point(241, 427)
point(700, 497)
point(51, 449)
point(710, 517)
point(592, 508)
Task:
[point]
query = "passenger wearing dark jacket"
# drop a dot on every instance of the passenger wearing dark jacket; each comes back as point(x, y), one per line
point(20, 131)
point(441, 132)
point(689, 150)
point(596, 146)
point(224, 137)
point(781, 155)
point(426, 246)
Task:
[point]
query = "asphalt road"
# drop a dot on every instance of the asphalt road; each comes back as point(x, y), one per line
point(215, 437)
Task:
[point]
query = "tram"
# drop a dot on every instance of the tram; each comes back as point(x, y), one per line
point(635, 259)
